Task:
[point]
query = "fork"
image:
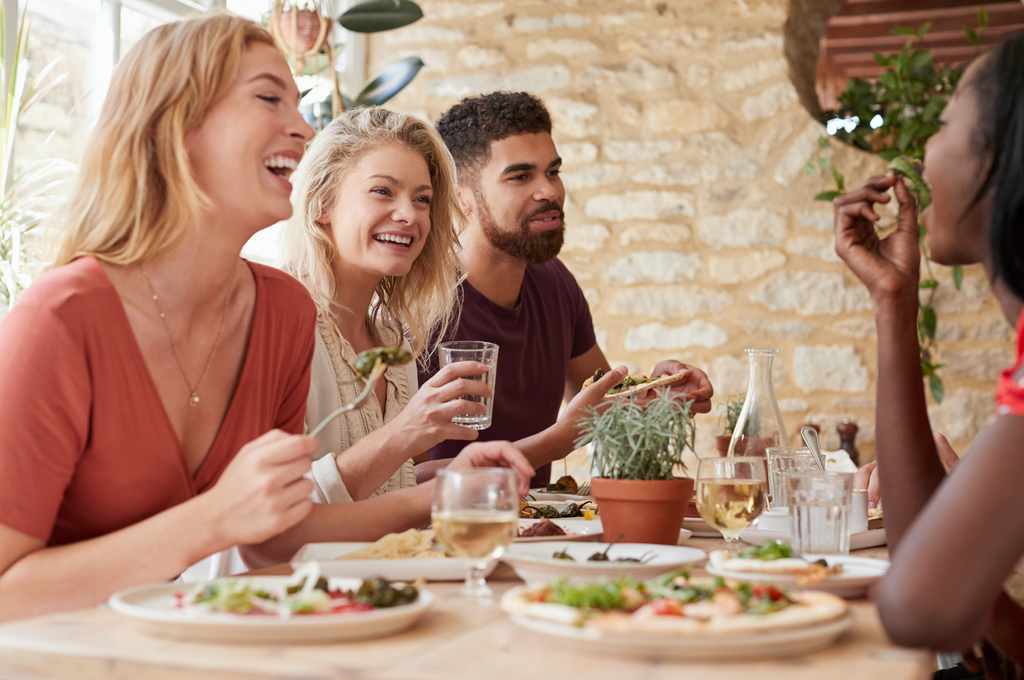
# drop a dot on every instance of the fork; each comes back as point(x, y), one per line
point(584, 489)
point(375, 374)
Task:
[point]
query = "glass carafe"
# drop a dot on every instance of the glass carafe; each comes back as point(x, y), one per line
point(760, 424)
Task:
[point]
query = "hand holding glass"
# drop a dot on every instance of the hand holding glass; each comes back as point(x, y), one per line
point(473, 350)
point(731, 493)
point(475, 516)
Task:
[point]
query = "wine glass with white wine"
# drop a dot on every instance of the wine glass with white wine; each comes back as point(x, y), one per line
point(475, 516)
point(731, 493)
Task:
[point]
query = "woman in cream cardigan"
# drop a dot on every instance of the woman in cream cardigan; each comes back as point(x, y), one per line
point(374, 237)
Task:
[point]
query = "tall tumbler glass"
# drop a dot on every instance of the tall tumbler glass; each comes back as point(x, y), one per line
point(783, 459)
point(819, 511)
point(473, 350)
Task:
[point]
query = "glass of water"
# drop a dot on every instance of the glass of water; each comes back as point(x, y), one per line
point(473, 350)
point(783, 459)
point(819, 511)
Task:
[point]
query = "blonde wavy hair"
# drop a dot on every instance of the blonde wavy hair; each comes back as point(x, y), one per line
point(136, 194)
point(423, 303)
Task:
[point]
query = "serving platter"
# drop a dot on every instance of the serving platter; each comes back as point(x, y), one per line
point(534, 562)
point(575, 529)
point(440, 569)
point(871, 538)
point(762, 644)
point(153, 610)
point(859, 574)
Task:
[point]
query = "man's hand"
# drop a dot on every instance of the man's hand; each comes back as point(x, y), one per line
point(696, 389)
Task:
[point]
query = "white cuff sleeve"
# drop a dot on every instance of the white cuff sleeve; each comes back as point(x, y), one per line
point(327, 484)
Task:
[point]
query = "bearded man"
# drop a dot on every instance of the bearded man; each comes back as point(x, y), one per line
point(517, 294)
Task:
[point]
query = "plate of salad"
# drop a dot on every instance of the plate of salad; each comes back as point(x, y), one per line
point(301, 608)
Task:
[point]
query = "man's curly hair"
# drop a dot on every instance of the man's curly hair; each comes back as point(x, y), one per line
point(469, 127)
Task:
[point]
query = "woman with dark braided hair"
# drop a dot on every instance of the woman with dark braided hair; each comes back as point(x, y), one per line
point(954, 538)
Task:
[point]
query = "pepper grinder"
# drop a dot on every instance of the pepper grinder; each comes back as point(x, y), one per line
point(847, 434)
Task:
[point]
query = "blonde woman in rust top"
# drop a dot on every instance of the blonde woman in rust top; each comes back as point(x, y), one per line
point(374, 237)
point(154, 384)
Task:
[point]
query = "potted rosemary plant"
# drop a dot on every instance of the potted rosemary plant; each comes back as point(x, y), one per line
point(733, 405)
point(635, 450)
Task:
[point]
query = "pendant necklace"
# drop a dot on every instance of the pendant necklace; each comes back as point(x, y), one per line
point(193, 398)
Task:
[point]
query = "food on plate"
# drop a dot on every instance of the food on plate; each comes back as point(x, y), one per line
point(603, 556)
point(528, 511)
point(774, 558)
point(306, 593)
point(389, 356)
point(565, 484)
point(412, 544)
point(674, 604)
point(542, 528)
point(635, 382)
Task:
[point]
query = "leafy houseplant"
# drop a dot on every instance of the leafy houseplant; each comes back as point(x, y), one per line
point(732, 407)
point(895, 117)
point(29, 193)
point(635, 450)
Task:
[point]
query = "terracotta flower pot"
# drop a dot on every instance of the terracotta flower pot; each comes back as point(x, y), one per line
point(642, 511)
point(722, 444)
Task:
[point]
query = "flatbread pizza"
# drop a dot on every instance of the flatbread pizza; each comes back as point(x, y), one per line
point(773, 558)
point(636, 383)
point(674, 604)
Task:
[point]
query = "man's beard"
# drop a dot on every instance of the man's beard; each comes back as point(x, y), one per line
point(520, 243)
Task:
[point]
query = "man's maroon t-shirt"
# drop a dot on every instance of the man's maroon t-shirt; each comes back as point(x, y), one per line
point(550, 325)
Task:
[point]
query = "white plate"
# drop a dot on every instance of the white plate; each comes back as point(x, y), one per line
point(535, 562)
point(546, 498)
point(700, 528)
point(859, 541)
point(859, 574)
point(443, 569)
point(763, 644)
point(575, 530)
point(153, 609)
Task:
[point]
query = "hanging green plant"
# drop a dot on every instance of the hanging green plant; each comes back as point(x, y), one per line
point(895, 116)
point(374, 16)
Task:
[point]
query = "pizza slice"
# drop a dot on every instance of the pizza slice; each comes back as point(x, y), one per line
point(637, 383)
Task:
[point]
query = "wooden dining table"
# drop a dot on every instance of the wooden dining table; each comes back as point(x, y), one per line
point(452, 641)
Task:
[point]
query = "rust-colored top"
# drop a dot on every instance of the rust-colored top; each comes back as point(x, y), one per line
point(86, 447)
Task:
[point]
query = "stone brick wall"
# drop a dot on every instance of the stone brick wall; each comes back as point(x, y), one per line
point(690, 221)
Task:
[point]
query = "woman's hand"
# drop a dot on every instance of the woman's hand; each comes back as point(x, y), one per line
point(262, 492)
point(695, 389)
point(867, 478)
point(427, 419)
point(890, 267)
point(496, 454)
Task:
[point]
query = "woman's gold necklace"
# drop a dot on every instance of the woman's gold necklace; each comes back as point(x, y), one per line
point(193, 398)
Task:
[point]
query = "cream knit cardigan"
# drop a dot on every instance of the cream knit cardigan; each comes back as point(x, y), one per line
point(330, 388)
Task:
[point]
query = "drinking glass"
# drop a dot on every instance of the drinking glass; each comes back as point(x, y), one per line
point(473, 350)
point(475, 516)
point(731, 493)
point(783, 459)
point(819, 511)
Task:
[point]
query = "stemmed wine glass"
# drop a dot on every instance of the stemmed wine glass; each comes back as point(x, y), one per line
point(731, 493)
point(475, 516)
